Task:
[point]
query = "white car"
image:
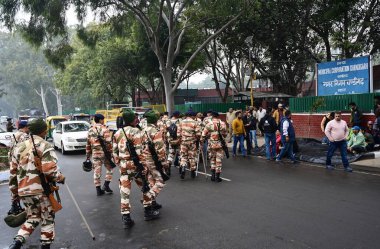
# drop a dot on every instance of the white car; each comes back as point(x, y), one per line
point(5, 137)
point(70, 136)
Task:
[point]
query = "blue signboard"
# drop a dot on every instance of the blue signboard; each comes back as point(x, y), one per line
point(348, 76)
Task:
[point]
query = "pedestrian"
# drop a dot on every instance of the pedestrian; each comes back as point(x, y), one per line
point(239, 133)
point(127, 151)
point(247, 117)
point(268, 127)
point(357, 143)
point(288, 137)
point(260, 114)
point(376, 127)
point(189, 132)
point(327, 118)
point(337, 131)
point(94, 149)
point(172, 138)
point(253, 131)
point(10, 126)
point(152, 135)
point(25, 184)
point(279, 113)
point(20, 136)
point(230, 116)
point(369, 134)
point(356, 115)
point(215, 131)
point(161, 125)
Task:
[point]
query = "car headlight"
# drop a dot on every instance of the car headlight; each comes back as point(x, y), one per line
point(69, 139)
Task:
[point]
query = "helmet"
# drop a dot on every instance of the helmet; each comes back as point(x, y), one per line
point(87, 165)
point(16, 216)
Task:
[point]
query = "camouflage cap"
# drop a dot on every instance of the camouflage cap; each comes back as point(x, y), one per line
point(37, 126)
point(151, 117)
point(128, 116)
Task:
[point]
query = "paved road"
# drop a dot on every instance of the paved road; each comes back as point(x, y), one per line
point(264, 206)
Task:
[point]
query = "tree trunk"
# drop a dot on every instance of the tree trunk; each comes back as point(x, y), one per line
point(169, 93)
point(43, 99)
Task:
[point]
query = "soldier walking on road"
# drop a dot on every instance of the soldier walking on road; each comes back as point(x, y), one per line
point(152, 134)
point(212, 130)
point(130, 136)
point(172, 138)
point(25, 184)
point(189, 132)
point(20, 136)
point(99, 131)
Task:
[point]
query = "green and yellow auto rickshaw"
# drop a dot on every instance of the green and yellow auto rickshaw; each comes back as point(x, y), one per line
point(52, 122)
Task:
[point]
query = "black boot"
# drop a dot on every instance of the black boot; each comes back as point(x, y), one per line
point(99, 191)
point(183, 170)
point(150, 213)
point(46, 246)
point(106, 187)
point(218, 179)
point(193, 174)
point(127, 221)
point(213, 175)
point(16, 245)
point(156, 206)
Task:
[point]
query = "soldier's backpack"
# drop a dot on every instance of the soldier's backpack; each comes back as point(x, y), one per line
point(173, 130)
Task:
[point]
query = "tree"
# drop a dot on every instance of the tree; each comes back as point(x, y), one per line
point(47, 21)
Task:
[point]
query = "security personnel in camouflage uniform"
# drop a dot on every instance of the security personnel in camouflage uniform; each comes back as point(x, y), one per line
point(151, 133)
point(95, 150)
point(174, 142)
point(128, 169)
point(215, 149)
point(20, 136)
point(25, 184)
point(161, 125)
point(189, 131)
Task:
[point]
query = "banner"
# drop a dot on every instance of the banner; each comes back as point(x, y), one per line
point(348, 76)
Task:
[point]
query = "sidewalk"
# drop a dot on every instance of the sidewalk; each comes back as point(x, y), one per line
point(368, 162)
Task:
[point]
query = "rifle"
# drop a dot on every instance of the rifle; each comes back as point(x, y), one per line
point(104, 148)
point(49, 188)
point(140, 168)
point(223, 142)
point(157, 162)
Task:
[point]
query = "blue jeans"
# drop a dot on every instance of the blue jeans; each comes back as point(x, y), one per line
point(270, 143)
point(254, 137)
point(239, 139)
point(342, 146)
point(287, 148)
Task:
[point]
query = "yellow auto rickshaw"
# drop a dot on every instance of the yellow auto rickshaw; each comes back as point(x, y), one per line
point(52, 122)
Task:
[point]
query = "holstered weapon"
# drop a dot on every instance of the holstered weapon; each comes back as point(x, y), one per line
point(223, 142)
point(157, 162)
point(139, 167)
point(107, 155)
point(49, 187)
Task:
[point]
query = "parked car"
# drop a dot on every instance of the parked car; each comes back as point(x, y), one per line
point(70, 136)
point(5, 137)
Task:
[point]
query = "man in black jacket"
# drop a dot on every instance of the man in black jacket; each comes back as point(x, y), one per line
point(247, 117)
point(268, 126)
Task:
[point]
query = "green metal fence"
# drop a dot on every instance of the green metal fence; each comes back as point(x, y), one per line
point(365, 103)
point(219, 107)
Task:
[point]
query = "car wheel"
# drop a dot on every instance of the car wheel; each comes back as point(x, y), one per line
point(63, 149)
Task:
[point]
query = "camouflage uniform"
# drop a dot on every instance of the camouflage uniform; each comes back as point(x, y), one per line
point(189, 132)
point(127, 167)
point(161, 126)
point(173, 143)
point(154, 177)
point(93, 148)
point(25, 184)
point(20, 137)
point(215, 149)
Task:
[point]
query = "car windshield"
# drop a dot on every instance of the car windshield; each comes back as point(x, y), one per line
point(74, 127)
point(57, 121)
point(82, 118)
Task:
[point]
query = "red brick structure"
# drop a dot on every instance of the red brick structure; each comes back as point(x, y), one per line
point(309, 125)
